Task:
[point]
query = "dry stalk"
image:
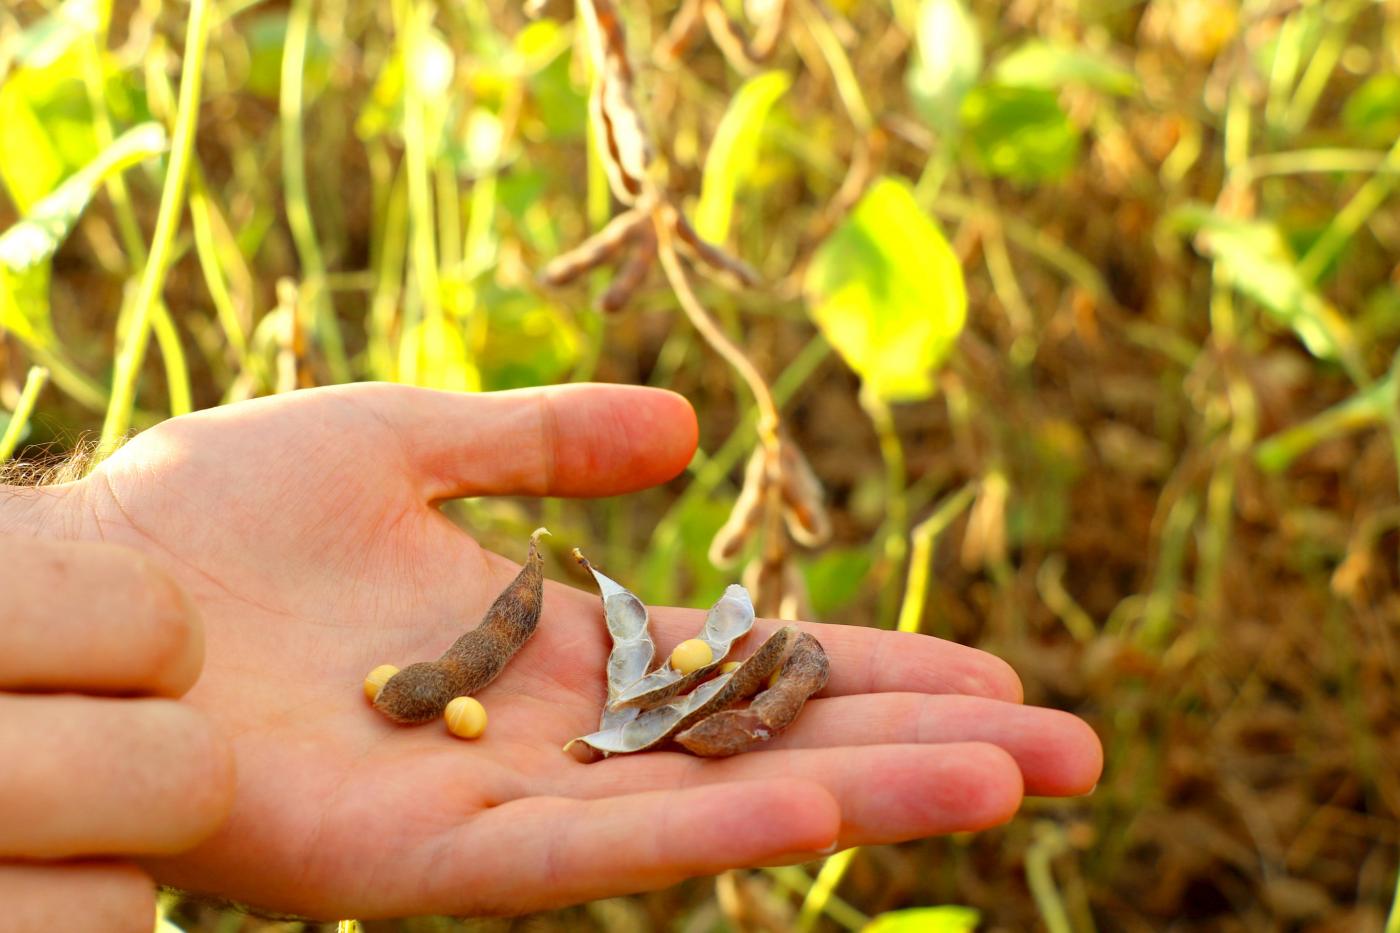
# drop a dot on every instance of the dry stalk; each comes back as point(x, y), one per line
point(781, 500)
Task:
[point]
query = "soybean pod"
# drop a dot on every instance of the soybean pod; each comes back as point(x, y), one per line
point(732, 731)
point(421, 691)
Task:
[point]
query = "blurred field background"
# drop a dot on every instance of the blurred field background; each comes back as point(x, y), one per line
point(1155, 469)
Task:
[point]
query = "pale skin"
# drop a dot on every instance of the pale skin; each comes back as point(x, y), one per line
point(186, 632)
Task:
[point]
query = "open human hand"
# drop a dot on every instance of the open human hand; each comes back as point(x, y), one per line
point(304, 528)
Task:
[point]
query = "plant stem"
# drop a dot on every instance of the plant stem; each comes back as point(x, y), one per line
point(172, 200)
point(1348, 220)
point(796, 880)
point(896, 528)
point(290, 107)
point(843, 74)
point(1392, 920)
point(33, 384)
point(1041, 879)
point(911, 612)
point(816, 902)
point(768, 418)
point(177, 374)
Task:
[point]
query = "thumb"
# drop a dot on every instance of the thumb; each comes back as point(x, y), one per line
point(575, 440)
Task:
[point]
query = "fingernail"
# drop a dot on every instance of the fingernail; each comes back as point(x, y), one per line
point(799, 858)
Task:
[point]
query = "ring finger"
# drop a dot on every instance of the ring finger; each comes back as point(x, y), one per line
point(87, 776)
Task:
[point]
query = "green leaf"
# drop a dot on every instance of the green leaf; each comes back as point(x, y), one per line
point(1372, 112)
point(46, 129)
point(734, 152)
point(429, 65)
point(528, 341)
point(926, 920)
point(1020, 133)
point(947, 62)
point(482, 144)
point(558, 107)
point(435, 353)
point(887, 291)
point(834, 578)
point(1256, 260)
point(676, 571)
point(47, 40)
point(38, 236)
point(1051, 66)
point(24, 305)
point(266, 36)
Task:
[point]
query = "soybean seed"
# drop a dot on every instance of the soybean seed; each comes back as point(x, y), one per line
point(466, 717)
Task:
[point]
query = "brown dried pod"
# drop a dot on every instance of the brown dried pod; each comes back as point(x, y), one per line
point(420, 692)
point(728, 269)
point(744, 518)
point(684, 24)
point(655, 726)
point(598, 249)
point(804, 505)
point(767, 15)
point(632, 274)
point(766, 575)
point(733, 731)
point(729, 38)
point(617, 121)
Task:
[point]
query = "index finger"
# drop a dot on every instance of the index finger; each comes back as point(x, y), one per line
point(94, 618)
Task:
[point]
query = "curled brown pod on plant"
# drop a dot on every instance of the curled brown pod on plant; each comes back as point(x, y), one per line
point(421, 691)
point(601, 247)
point(618, 123)
point(679, 34)
point(632, 274)
point(730, 270)
point(729, 732)
point(744, 518)
point(804, 500)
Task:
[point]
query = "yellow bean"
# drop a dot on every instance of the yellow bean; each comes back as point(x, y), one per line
point(691, 655)
point(377, 678)
point(466, 717)
point(730, 667)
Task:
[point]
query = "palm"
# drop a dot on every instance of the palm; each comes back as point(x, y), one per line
point(303, 528)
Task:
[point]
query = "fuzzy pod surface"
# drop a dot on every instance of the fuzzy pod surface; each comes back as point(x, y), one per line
point(421, 691)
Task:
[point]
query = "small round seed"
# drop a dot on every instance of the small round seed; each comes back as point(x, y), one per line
point(377, 678)
point(691, 655)
point(730, 667)
point(466, 717)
